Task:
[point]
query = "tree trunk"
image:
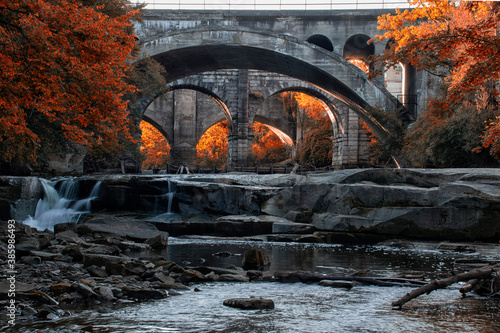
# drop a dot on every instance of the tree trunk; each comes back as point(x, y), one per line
point(440, 284)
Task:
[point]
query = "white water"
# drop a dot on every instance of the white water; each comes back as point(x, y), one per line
point(59, 206)
point(167, 197)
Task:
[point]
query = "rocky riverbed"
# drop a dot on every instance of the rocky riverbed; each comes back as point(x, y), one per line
point(113, 259)
point(100, 265)
point(110, 262)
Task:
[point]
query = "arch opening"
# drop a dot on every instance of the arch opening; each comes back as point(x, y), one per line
point(358, 52)
point(155, 148)
point(321, 41)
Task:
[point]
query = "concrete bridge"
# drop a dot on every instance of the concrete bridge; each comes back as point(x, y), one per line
point(240, 59)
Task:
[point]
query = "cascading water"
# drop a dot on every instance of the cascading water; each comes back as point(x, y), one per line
point(160, 201)
point(165, 199)
point(58, 206)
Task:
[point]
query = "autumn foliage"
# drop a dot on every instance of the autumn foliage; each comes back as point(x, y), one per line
point(267, 147)
point(62, 70)
point(212, 146)
point(154, 147)
point(316, 147)
point(458, 42)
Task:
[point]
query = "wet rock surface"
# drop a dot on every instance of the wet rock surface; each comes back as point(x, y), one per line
point(251, 303)
point(96, 269)
point(435, 204)
point(106, 262)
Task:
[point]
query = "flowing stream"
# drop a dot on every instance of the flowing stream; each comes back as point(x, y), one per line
point(303, 307)
point(299, 307)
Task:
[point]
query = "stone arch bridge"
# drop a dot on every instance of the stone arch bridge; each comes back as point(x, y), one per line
point(228, 64)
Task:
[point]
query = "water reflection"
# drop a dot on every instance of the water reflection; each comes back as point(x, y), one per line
point(301, 307)
point(324, 258)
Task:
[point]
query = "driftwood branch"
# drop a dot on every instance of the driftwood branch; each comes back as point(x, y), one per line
point(440, 284)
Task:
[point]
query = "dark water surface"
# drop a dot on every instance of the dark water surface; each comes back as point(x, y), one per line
point(303, 307)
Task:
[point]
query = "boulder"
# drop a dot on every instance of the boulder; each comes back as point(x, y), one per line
point(25, 245)
point(255, 259)
point(97, 271)
point(233, 278)
point(69, 236)
point(143, 294)
point(191, 275)
point(251, 303)
point(60, 227)
point(101, 259)
point(122, 227)
point(242, 225)
point(106, 293)
point(19, 197)
point(158, 241)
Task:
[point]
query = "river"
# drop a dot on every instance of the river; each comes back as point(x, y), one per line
point(303, 307)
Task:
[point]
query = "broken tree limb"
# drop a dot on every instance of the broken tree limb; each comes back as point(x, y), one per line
point(440, 284)
point(471, 284)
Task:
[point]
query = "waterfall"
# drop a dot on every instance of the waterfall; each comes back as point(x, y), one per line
point(58, 206)
point(167, 197)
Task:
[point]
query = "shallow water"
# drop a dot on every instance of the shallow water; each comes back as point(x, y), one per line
point(301, 307)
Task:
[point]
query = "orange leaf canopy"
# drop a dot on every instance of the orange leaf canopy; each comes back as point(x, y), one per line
point(65, 63)
point(459, 40)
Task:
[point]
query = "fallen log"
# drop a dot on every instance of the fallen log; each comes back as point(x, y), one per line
point(443, 283)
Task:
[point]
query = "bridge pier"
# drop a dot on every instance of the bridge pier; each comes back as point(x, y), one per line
point(241, 136)
point(350, 148)
point(183, 143)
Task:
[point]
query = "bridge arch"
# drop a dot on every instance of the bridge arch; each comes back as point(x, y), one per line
point(321, 41)
point(208, 92)
point(194, 51)
point(156, 125)
point(357, 47)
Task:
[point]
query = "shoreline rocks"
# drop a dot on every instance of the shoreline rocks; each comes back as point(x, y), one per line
point(459, 205)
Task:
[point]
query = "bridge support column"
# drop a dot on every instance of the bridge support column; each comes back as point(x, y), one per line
point(183, 149)
point(409, 89)
point(240, 137)
point(348, 147)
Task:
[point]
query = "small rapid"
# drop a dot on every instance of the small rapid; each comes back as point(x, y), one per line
point(62, 204)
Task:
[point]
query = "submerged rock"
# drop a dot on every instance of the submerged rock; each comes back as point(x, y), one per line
point(337, 284)
point(251, 303)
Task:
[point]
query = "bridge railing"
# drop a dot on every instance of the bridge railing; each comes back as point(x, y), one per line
point(275, 4)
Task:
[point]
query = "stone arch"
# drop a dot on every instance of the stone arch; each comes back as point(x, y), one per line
point(195, 51)
point(321, 41)
point(157, 126)
point(357, 47)
point(330, 108)
point(210, 94)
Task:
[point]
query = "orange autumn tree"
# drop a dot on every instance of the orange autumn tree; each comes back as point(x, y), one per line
point(62, 71)
point(316, 147)
point(154, 147)
point(267, 147)
point(459, 42)
point(212, 146)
